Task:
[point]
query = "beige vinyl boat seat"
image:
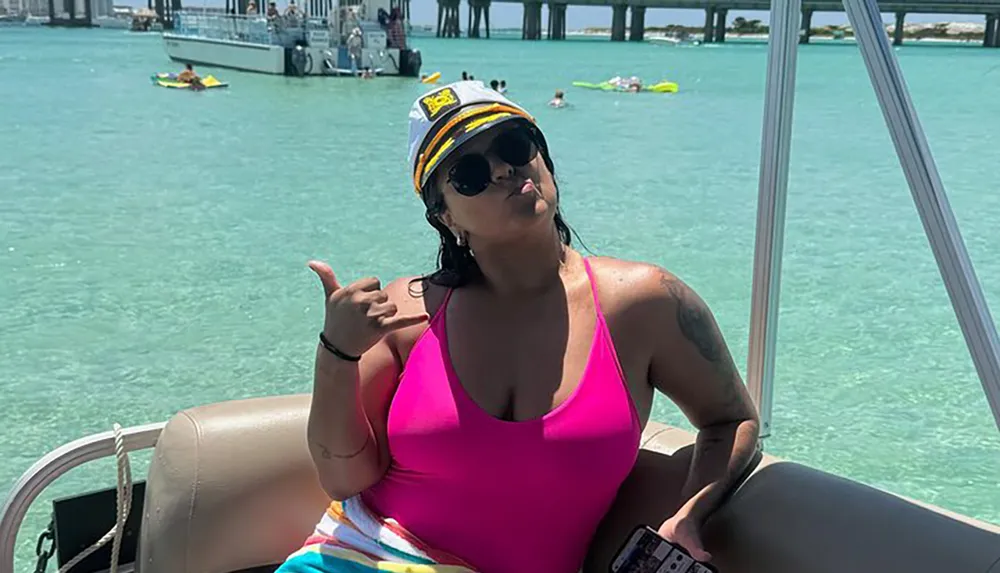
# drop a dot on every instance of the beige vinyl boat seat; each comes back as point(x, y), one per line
point(232, 488)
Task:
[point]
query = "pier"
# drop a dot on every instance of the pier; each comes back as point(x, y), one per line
point(81, 13)
point(78, 14)
point(628, 17)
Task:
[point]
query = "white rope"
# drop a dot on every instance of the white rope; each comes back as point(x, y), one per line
point(124, 505)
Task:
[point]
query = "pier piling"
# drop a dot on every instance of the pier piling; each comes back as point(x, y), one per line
point(479, 10)
point(532, 23)
point(720, 24)
point(807, 17)
point(897, 33)
point(557, 21)
point(709, 25)
point(638, 27)
point(448, 23)
point(618, 22)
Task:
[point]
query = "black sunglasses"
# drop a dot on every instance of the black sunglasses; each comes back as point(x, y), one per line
point(472, 174)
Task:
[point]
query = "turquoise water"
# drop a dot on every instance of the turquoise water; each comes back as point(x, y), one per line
point(153, 242)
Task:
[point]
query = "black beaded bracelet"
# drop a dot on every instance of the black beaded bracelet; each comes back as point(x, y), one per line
point(336, 351)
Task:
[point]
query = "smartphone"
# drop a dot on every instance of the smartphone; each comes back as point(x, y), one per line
point(646, 552)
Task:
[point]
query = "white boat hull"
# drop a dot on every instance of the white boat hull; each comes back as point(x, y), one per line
point(225, 54)
point(271, 59)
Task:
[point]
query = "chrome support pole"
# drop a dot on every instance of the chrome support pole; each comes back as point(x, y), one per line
point(783, 43)
point(930, 197)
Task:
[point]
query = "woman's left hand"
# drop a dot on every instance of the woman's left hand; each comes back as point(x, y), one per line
point(685, 532)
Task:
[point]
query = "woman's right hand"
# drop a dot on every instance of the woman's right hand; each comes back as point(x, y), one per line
point(360, 314)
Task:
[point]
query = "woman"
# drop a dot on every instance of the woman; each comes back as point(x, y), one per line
point(493, 408)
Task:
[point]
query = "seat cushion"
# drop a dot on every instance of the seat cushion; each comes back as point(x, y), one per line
point(231, 487)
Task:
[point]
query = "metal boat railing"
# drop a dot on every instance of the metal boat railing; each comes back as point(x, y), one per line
point(56, 463)
point(921, 174)
point(256, 29)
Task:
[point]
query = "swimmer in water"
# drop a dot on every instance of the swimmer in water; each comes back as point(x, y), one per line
point(559, 100)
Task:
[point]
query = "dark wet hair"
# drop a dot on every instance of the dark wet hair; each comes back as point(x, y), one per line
point(456, 265)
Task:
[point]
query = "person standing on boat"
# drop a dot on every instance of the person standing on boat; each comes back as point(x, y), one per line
point(354, 42)
point(396, 34)
point(493, 407)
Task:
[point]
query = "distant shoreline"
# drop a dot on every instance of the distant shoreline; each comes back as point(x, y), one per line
point(753, 30)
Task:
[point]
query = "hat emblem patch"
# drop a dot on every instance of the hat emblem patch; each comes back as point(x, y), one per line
point(436, 103)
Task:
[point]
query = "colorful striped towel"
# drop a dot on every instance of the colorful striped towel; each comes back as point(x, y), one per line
point(352, 539)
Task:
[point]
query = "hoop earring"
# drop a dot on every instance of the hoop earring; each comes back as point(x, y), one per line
point(461, 240)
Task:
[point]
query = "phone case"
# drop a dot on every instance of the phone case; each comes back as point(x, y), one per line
point(644, 551)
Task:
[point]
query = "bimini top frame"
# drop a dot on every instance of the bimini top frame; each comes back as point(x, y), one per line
point(921, 174)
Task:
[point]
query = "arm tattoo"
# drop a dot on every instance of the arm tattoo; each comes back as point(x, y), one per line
point(327, 454)
point(698, 326)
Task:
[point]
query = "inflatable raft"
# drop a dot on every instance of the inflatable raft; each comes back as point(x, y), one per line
point(660, 88)
point(165, 80)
